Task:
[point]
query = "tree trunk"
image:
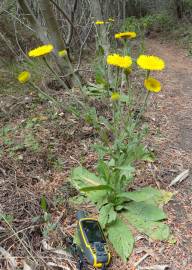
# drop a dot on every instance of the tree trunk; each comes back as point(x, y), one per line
point(40, 31)
point(102, 31)
point(179, 8)
point(58, 42)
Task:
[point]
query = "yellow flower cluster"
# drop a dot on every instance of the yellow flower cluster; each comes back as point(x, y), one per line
point(24, 77)
point(115, 96)
point(62, 53)
point(152, 85)
point(126, 35)
point(119, 61)
point(111, 20)
point(150, 62)
point(99, 22)
point(41, 51)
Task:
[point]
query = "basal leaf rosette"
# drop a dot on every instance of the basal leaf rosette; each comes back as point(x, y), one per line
point(150, 62)
point(41, 51)
point(119, 61)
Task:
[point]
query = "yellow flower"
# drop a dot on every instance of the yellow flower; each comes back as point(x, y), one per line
point(62, 53)
point(115, 96)
point(99, 22)
point(24, 77)
point(119, 61)
point(126, 35)
point(111, 20)
point(150, 62)
point(152, 85)
point(40, 51)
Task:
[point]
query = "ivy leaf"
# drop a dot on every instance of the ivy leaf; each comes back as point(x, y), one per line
point(156, 230)
point(146, 211)
point(121, 238)
point(107, 215)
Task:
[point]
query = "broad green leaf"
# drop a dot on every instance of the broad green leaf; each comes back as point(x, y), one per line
point(82, 178)
point(156, 230)
point(127, 171)
point(137, 196)
point(103, 170)
point(107, 215)
point(147, 194)
point(160, 197)
point(121, 238)
point(94, 188)
point(146, 211)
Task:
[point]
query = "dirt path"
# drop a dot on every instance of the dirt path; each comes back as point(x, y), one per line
point(174, 111)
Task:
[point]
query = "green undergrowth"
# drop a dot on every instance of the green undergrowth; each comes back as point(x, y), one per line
point(165, 25)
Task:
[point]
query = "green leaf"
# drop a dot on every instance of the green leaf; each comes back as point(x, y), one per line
point(94, 188)
point(127, 171)
point(159, 196)
point(154, 229)
point(81, 178)
point(103, 170)
point(146, 211)
point(95, 89)
point(107, 215)
point(77, 200)
point(148, 156)
point(6, 218)
point(121, 238)
point(147, 194)
point(43, 203)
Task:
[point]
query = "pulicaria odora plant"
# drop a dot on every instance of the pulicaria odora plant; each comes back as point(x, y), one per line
point(107, 186)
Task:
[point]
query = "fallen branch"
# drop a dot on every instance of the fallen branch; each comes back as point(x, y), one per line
point(182, 176)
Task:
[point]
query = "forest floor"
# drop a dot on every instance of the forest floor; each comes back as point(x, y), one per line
point(23, 180)
point(172, 113)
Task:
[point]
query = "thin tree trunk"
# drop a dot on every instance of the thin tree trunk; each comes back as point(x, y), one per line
point(102, 31)
point(35, 25)
point(58, 41)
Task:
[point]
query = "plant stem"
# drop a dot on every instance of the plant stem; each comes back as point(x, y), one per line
point(117, 79)
point(143, 107)
point(45, 94)
point(55, 73)
point(148, 73)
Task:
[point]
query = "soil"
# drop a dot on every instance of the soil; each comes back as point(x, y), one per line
point(22, 182)
point(176, 106)
point(172, 112)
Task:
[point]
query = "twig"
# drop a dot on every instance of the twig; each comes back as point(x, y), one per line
point(141, 260)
